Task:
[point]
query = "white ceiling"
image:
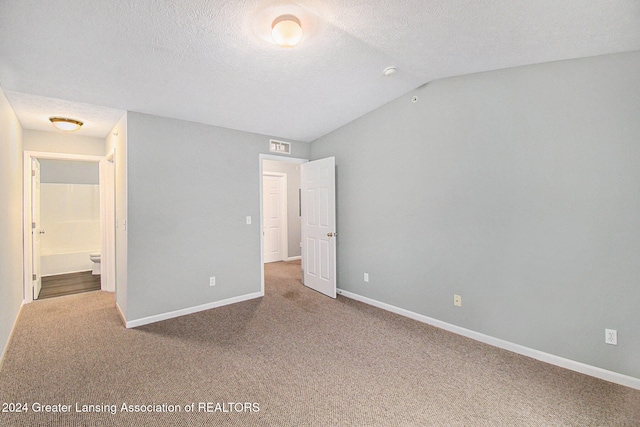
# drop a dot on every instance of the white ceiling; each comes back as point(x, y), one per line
point(212, 62)
point(34, 111)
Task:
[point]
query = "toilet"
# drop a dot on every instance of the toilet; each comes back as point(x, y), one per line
point(95, 258)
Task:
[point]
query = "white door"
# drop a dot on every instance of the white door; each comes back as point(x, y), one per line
point(36, 230)
point(318, 198)
point(274, 214)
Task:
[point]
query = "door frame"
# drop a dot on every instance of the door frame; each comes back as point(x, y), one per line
point(36, 285)
point(107, 248)
point(283, 197)
point(262, 157)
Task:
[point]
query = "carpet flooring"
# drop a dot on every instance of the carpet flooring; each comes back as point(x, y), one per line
point(291, 358)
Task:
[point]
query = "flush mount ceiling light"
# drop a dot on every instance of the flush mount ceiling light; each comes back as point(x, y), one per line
point(65, 124)
point(286, 31)
point(389, 71)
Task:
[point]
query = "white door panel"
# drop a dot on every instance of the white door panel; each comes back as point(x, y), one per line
point(274, 213)
point(319, 225)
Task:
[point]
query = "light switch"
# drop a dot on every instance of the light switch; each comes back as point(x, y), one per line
point(249, 220)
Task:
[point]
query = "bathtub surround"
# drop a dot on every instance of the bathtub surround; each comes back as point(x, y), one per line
point(53, 171)
point(10, 221)
point(70, 215)
point(66, 262)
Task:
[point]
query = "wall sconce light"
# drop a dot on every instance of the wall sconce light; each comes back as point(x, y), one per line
point(65, 124)
point(286, 31)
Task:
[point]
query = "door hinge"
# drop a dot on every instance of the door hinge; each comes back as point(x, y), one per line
point(33, 172)
point(33, 277)
point(33, 225)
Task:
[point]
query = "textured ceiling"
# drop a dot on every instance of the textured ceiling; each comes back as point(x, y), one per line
point(212, 61)
point(34, 111)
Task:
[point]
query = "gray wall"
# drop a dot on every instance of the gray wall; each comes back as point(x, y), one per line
point(190, 187)
point(292, 170)
point(62, 142)
point(69, 172)
point(517, 189)
point(10, 220)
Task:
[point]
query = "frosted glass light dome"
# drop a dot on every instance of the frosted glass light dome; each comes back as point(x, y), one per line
point(286, 31)
point(65, 124)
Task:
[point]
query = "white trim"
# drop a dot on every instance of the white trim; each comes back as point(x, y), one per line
point(121, 313)
point(562, 362)
point(111, 155)
point(294, 258)
point(13, 328)
point(107, 225)
point(190, 310)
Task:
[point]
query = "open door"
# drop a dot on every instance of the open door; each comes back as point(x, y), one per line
point(36, 230)
point(318, 199)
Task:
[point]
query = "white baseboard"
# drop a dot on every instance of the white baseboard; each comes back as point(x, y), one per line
point(121, 313)
point(293, 258)
point(13, 328)
point(562, 362)
point(183, 312)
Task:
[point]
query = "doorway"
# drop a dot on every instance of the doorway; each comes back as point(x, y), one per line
point(315, 228)
point(283, 244)
point(69, 253)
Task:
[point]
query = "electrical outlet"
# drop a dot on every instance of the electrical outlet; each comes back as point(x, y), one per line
point(366, 277)
point(611, 336)
point(457, 300)
point(212, 281)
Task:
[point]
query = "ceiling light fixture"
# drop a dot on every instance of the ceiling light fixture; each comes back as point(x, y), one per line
point(65, 124)
point(389, 71)
point(286, 31)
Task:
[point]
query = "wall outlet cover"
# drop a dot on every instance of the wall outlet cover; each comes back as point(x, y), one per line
point(457, 300)
point(611, 336)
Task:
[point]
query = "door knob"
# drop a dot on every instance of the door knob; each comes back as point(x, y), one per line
point(41, 232)
point(332, 234)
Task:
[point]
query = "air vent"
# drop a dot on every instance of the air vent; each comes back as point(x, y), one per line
point(279, 147)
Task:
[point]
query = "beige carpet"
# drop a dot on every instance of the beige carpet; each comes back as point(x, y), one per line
point(299, 358)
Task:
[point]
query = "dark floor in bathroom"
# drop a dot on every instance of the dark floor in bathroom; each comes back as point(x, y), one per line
point(68, 284)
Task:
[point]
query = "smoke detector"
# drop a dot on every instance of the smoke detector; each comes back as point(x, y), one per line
point(389, 71)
